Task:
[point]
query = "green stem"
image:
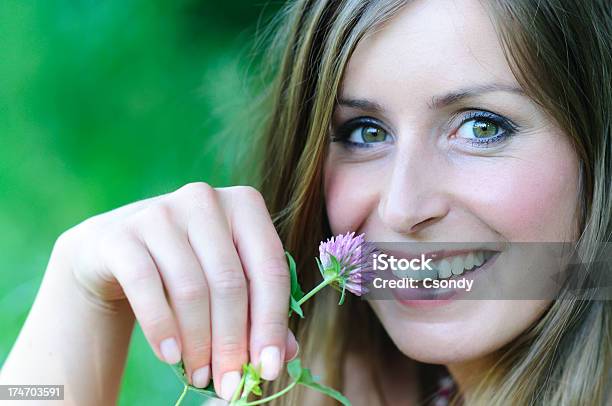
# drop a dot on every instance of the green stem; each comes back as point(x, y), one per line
point(180, 399)
point(236, 396)
point(272, 397)
point(316, 289)
point(238, 389)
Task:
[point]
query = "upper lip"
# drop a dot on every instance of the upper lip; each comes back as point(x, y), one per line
point(437, 254)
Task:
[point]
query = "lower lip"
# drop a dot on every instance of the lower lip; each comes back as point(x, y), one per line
point(438, 297)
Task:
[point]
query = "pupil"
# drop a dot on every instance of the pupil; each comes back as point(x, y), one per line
point(372, 134)
point(483, 129)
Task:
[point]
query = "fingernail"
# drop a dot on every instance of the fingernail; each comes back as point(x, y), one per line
point(291, 341)
point(269, 360)
point(297, 352)
point(229, 383)
point(201, 377)
point(170, 350)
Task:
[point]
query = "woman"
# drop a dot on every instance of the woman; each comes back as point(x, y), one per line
point(422, 121)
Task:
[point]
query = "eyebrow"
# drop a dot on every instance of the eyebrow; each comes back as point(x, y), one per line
point(441, 101)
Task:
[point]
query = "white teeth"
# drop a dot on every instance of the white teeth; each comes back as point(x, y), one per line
point(427, 273)
point(402, 273)
point(444, 269)
point(469, 261)
point(479, 258)
point(457, 266)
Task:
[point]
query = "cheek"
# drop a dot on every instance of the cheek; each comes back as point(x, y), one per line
point(532, 198)
point(528, 196)
point(350, 195)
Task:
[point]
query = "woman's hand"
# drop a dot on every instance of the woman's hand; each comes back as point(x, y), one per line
point(204, 272)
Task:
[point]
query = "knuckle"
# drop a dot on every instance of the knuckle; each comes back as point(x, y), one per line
point(248, 192)
point(156, 324)
point(107, 241)
point(244, 195)
point(65, 249)
point(190, 292)
point(112, 238)
point(64, 241)
point(141, 222)
point(159, 212)
point(197, 190)
point(275, 270)
point(230, 282)
point(275, 327)
point(197, 198)
point(140, 275)
point(231, 346)
point(72, 239)
point(200, 349)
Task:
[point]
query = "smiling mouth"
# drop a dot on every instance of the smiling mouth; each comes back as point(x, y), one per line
point(450, 267)
point(465, 266)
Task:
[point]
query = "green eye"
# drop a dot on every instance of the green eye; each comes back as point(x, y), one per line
point(484, 129)
point(362, 132)
point(373, 134)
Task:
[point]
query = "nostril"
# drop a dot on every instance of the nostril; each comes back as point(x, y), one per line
point(419, 226)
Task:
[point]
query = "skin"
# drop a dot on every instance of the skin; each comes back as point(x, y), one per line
point(116, 267)
point(425, 183)
point(216, 253)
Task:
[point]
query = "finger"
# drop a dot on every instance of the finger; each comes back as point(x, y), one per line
point(265, 265)
point(123, 212)
point(136, 272)
point(186, 285)
point(213, 244)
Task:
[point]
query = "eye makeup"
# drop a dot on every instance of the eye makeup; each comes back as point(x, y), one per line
point(366, 132)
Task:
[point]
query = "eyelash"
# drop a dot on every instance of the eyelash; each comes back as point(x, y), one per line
point(343, 132)
point(508, 128)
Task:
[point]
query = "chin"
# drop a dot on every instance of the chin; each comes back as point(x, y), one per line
point(464, 332)
point(434, 345)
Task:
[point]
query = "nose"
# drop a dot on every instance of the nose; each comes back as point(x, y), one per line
point(415, 195)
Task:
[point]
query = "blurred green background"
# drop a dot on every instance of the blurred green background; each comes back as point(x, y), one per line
point(104, 102)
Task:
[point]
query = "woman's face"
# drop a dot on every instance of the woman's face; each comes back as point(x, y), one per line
point(441, 145)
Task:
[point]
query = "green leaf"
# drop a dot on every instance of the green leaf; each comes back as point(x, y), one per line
point(207, 391)
point(303, 376)
point(179, 370)
point(312, 384)
point(333, 272)
point(256, 391)
point(294, 369)
point(295, 306)
point(251, 382)
point(296, 290)
point(335, 263)
point(320, 265)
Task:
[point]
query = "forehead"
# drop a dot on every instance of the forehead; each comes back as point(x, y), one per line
point(429, 47)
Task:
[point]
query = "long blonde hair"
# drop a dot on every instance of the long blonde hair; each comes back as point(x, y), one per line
point(559, 52)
